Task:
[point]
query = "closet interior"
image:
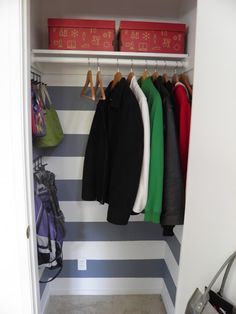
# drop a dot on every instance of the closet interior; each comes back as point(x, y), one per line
point(132, 259)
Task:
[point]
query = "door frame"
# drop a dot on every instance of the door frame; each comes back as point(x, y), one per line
point(19, 262)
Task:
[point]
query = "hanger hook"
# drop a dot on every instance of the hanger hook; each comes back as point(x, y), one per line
point(132, 64)
point(145, 65)
point(165, 65)
point(156, 63)
point(118, 70)
point(176, 67)
point(98, 64)
point(89, 64)
point(182, 66)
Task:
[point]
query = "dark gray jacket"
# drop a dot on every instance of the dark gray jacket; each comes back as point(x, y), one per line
point(173, 187)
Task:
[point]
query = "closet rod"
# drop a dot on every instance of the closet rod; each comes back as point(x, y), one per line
point(112, 61)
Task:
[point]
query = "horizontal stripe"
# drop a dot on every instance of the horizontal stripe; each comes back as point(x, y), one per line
point(178, 231)
point(106, 286)
point(170, 285)
point(119, 269)
point(42, 287)
point(113, 268)
point(68, 98)
point(174, 246)
point(169, 306)
point(44, 298)
point(76, 122)
point(107, 250)
point(40, 271)
point(133, 231)
point(71, 145)
point(69, 190)
point(89, 212)
point(104, 231)
point(66, 168)
point(171, 264)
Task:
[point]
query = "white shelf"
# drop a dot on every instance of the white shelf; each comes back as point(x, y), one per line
point(43, 53)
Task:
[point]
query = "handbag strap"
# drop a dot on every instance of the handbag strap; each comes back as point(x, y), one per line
point(45, 94)
point(227, 263)
point(221, 291)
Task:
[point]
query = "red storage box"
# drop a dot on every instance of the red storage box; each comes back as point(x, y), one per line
point(72, 34)
point(152, 37)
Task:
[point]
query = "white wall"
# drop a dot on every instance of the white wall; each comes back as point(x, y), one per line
point(210, 231)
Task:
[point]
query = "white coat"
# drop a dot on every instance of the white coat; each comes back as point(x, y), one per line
point(141, 198)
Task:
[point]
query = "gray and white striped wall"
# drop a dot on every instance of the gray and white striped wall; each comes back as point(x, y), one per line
point(132, 259)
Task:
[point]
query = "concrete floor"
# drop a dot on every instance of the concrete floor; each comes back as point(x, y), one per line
point(129, 304)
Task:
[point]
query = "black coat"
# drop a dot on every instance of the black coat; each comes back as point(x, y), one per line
point(114, 153)
point(173, 187)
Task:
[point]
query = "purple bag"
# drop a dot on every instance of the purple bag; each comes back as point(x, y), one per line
point(49, 225)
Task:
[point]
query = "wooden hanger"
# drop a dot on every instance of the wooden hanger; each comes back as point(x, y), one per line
point(88, 81)
point(145, 73)
point(155, 74)
point(99, 84)
point(131, 74)
point(183, 78)
point(175, 77)
point(117, 76)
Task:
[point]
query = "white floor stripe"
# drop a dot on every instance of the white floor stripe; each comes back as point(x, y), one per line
point(75, 121)
point(89, 212)
point(114, 250)
point(66, 168)
point(106, 286)
point(171, 264)
point(167, 300)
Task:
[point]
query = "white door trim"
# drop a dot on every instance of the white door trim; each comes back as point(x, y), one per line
point(18, 263)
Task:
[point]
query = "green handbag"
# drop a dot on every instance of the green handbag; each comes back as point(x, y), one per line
point(53, 126)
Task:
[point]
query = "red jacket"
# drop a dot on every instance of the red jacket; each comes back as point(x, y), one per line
point(183, 110)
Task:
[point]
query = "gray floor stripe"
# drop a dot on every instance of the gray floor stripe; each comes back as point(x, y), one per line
point(154, 268)
point(72, 145)
point(68, 98)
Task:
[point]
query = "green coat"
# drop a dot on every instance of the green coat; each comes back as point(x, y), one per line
point(156, 168)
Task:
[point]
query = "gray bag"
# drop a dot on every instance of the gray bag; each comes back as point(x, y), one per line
point(199, 302)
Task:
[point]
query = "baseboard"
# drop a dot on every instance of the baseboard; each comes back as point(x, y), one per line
point(106, 286)
point(167, 300)
point(45, 298)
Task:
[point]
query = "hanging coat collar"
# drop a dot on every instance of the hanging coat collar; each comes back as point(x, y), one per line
point(115, 95)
